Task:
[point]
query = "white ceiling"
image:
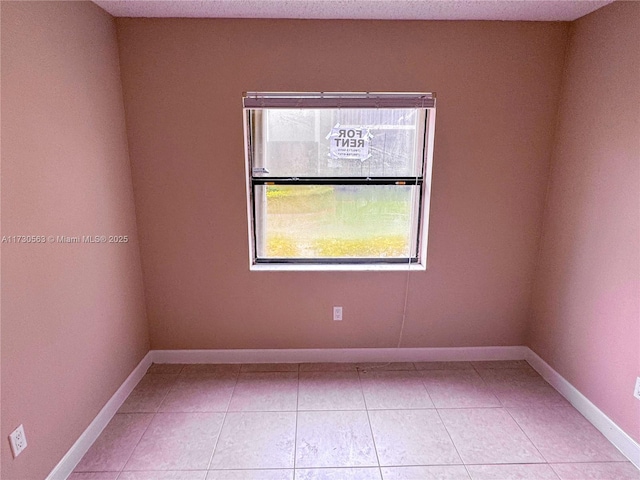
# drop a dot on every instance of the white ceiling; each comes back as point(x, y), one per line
point(541, 10)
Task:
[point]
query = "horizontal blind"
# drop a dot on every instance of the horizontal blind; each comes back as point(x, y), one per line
point(257, 100)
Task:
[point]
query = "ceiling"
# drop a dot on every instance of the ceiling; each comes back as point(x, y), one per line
point(533, 10)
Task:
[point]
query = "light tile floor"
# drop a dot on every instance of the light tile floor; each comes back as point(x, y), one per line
point(399, 421)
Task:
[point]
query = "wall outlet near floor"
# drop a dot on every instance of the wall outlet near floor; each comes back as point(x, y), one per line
point(337, 314)
point(636, 391)
point(18, 441)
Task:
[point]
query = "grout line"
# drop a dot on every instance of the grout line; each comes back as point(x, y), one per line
point(169, 390)
point(295, 431)
point(373, 438)
point(527, 436)
point(137, 443)
point(224, 418)
point(154, 413)
point(426, 389)
point(452, 442)
point(491, 389)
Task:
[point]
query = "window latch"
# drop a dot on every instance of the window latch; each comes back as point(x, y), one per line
point(259, 170)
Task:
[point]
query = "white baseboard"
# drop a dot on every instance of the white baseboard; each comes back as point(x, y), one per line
point(340, 355)
point(623, 442)
point(93, 431)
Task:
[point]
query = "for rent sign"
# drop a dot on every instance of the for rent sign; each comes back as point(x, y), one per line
point(349, 142)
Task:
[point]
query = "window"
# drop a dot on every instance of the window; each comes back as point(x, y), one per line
point(338, 180)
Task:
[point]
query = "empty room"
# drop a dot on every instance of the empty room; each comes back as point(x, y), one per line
point(320, 240)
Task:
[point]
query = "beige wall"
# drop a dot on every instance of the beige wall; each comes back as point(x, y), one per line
point(498, 86)
point(586, 311)
point(73, 316)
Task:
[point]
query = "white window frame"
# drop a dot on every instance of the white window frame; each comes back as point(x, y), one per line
point(264, 100)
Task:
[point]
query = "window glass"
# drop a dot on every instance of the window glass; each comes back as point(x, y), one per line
point(338, 142)
point(335, 221)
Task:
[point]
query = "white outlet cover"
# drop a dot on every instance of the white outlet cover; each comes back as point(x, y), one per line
point(18, 441)
point(337, 313)
point(636, 391)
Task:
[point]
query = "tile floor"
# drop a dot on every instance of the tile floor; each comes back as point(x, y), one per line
point(409, 421)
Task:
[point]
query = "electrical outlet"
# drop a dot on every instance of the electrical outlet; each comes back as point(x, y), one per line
point(636, 391)
point(337, 314)
point(18, 441)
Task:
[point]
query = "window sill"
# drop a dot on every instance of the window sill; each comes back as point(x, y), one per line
point(347, 267)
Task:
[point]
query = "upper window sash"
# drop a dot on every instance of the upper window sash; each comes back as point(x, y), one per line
point(336, 142)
